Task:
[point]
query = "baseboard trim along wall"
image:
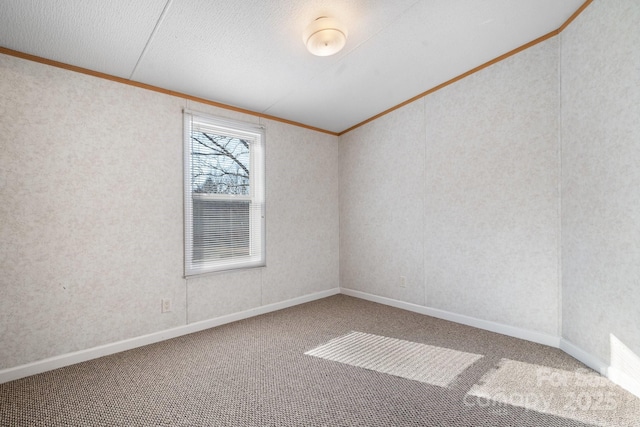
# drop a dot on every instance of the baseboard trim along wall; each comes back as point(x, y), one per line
point(37, 367)
point(615, 375)
point(623, 380)
point(581, 355)
point(56, 362)
point(487, 325)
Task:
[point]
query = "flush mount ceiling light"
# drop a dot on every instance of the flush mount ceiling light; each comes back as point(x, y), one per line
point(325, 36)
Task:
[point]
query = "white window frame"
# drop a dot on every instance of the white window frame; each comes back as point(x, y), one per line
point(255, 134)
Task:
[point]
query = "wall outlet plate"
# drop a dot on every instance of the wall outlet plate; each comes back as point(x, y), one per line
point(403, 281)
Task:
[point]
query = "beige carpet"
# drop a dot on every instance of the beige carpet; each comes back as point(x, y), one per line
point(413, 361)
point(256, 373)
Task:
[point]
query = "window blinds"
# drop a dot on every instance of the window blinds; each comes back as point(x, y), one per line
point(224, 194)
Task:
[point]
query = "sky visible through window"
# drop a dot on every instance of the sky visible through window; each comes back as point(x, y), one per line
point(220, 164)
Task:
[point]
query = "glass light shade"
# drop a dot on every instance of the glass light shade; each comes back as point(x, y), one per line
point(325, 36)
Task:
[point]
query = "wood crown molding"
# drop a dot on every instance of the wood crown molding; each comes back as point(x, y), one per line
point(134, 83)
point(474, 70)
point(81, 70)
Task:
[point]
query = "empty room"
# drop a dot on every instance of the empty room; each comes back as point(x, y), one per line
point(320, 213)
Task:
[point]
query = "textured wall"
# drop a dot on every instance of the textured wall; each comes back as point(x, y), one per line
point(381, 206)
point(302, 206)
point(493, 150)
point(302, 227)
point(601, 178)
point(459, 193)
point(91, 215)
point(492, 217)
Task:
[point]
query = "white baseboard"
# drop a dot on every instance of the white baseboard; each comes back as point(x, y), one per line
point(615, 375)
point(56, 362)
point(584, 357)
point(618, 377)
point(624, 380)
point(571, 349)
point(512, 331)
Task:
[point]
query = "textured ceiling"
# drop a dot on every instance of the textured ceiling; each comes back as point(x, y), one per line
point(249, 53)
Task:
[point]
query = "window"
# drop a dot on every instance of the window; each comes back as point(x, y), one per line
point(224, 194)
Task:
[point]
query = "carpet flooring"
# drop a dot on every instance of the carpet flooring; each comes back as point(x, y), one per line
point(255, 373)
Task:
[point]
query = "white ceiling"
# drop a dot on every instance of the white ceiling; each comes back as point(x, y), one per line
point(249, 53)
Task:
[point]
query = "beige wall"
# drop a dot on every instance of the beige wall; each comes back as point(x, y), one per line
point(91, 215)
point(513, 195)
point(510, 196)
point(381, 206)
point(601, 182)
point(458, 192)
point(492, 217)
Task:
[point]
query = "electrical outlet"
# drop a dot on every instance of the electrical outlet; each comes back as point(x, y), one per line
point(403, 281)
point(166, 305)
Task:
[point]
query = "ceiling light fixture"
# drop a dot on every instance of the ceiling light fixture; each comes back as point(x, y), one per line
point(325, 36)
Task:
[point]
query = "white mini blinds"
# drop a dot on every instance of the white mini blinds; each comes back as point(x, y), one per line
point(224, 189)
